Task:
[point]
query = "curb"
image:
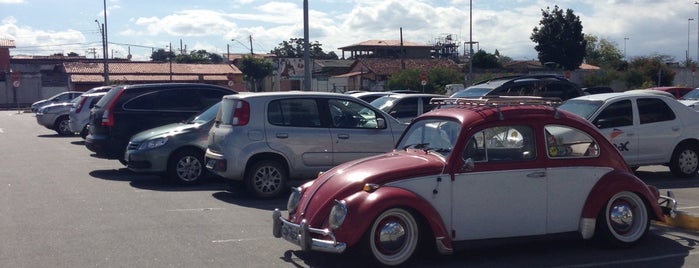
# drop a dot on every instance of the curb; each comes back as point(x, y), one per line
point(682, 220)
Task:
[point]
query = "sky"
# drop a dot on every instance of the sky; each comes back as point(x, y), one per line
point(136, 28)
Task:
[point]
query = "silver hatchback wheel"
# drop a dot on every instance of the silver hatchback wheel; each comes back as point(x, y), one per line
point(266, 178)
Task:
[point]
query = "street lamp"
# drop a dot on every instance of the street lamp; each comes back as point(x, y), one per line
point(625, 39)
point(688, 58)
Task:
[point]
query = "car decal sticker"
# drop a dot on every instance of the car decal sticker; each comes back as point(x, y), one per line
point(615, 133)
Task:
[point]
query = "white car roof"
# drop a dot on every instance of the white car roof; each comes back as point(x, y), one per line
point(625, 94)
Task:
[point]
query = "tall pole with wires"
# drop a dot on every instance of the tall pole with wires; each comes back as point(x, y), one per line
point(105, 46)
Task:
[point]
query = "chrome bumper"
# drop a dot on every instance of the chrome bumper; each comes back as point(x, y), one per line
point(668, 204)
point(300, 235)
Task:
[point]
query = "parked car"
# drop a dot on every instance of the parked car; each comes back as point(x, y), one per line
point(370, 96)
point(648, 127)
point(176, 151)
point(473, 173)
point(128, 109)
point(597, 90)
point(405, 106)
point(691, 99)
point(58, 98)
point(267, 139)
point(79, 113)
point(55, 116)
point(523, 85)
point(677, 92)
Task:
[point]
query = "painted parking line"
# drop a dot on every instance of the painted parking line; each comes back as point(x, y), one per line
point(242, 239)
point(193, 209)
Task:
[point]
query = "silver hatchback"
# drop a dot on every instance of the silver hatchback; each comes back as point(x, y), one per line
point(267, 139)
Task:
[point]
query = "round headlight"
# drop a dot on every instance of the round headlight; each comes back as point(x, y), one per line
point(293, 202)
point(154, 143)
point(337, 214)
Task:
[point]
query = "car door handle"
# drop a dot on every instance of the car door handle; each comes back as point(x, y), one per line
point(343, 136)
point(539, 174)
point(282, 135)
point(676, 128)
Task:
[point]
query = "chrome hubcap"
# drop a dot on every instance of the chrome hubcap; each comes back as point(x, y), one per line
point(391, 236)
point(621, 217)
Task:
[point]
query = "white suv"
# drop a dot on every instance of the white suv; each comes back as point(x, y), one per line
point(267, 139)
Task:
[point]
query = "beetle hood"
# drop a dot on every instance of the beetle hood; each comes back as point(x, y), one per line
point(349, 178)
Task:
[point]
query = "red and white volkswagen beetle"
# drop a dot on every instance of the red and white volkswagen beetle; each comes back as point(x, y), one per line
point(479, 169)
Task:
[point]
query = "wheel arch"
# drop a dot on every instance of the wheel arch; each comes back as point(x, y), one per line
point(266, 156)
point(618, 181)
point(688, 141)
point(384, 198)
point(184, 148)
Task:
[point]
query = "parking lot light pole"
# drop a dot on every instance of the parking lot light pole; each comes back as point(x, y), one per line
point(688, 26)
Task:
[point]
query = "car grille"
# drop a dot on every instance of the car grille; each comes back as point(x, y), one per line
point(133, 145)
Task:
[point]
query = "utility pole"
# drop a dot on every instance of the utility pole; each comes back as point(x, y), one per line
point(251, 45)
point(306, 52)
point(105, 45)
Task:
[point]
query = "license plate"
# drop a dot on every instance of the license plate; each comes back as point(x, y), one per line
point(290, 233)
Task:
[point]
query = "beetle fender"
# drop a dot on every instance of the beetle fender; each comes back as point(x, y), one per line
point(618, 181)
point(370, 205)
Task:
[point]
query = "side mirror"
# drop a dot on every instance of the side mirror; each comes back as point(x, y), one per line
point(380, 123)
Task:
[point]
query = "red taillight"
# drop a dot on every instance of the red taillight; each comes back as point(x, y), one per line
point(241, 113)
point(80, 106)
point(108, 115)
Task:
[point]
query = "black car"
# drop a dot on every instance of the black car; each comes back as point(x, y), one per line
point(543, 85)
point(129, 109)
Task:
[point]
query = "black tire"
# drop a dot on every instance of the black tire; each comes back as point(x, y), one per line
point(624, 220)
point(186, 167)
point(393, 237)
point(266, 178)
point(62, 126)
point(84, 132)
point(685, 161)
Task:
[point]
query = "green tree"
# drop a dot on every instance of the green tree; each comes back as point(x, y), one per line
point(199, 56)
point(649, 71)
point(485, 60)
point(294, 49)
point(254, 70)
point(603, 53)
point(560, 39)
point(161, 55)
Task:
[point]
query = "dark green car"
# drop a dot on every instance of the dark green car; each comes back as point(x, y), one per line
point(176, 150)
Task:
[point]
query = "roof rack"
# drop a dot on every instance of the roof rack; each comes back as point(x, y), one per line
point(498, 101)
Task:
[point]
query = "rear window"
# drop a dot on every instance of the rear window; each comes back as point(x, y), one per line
point(108, 97)
point(294, 112)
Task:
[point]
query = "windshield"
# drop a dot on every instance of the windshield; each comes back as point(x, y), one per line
point(384, 103)
point(437, 135)
point(472, 92)
point(582, 108)
point(205, 116)
point(692, 95)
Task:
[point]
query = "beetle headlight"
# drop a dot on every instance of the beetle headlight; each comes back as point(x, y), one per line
point(293, 202)
point(337, 214)
point(154, 143)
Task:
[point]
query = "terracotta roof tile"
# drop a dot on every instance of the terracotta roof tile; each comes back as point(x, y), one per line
point(149, 68)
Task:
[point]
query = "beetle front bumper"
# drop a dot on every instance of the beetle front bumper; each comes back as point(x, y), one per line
point(300, 235)
point(668, 204)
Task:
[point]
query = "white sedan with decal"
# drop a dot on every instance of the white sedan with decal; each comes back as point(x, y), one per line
point(647, 127)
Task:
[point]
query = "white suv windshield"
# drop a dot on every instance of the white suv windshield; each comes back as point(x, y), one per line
point(438, 135)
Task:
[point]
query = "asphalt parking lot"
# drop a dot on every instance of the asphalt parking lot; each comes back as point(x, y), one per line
point(60, 207)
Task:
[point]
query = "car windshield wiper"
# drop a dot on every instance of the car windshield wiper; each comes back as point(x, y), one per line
point(416, 146)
